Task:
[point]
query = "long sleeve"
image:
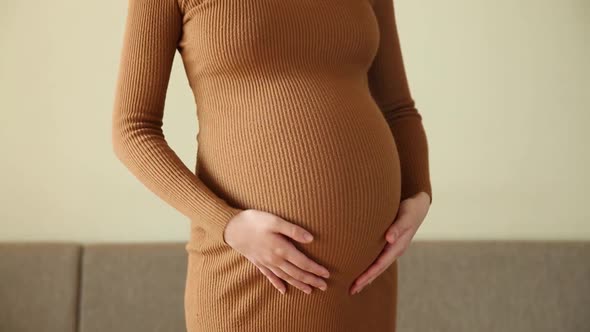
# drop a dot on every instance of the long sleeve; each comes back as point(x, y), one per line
point(389, 86)
point(152, 32)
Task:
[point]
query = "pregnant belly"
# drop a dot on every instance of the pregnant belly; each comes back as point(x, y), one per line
point(335, 174)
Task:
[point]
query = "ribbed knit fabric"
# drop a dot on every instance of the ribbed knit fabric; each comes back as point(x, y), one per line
point(304, 111)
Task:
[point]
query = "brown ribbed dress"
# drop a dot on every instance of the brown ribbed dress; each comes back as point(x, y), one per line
point(304, 111)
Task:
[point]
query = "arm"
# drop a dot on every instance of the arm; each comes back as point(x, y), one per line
point(389, 86)
point(152, 31)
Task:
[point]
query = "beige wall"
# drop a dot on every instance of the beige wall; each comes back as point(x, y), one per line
point(500, 85)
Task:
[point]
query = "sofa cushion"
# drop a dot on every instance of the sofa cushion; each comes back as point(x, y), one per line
point(38, 286)
point(133, 287)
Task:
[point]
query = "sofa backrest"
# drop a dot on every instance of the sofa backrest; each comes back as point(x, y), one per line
point(454, 286)
point(39, 285)
point(508, 286)
point(130, 287)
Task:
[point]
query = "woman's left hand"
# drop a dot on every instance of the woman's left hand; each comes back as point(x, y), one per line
point(412, 212)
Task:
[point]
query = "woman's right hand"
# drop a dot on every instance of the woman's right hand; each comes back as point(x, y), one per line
point(258, 235)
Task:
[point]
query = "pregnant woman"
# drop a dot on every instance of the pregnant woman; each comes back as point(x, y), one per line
point(306, 126)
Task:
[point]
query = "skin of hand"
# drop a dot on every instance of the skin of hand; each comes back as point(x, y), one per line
point(265, 240)
point(411, 214)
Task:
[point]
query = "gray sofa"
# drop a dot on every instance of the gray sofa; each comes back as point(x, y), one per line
point(455, 286)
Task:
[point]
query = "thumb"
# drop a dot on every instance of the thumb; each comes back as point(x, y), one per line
point(397, 228)
point(293, 231)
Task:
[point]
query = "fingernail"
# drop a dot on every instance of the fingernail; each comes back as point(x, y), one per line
point(308, 236)
point(282, 290)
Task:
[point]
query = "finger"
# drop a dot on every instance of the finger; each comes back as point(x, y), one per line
point(360, 287)
point(303, 276)
point(402, 243)
point(386, 257)
point(357, 288)
point(391, 253)
point(285, 276)
point(275, 281)
point(299, 259)
point(398, 228)
point(293, 231)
